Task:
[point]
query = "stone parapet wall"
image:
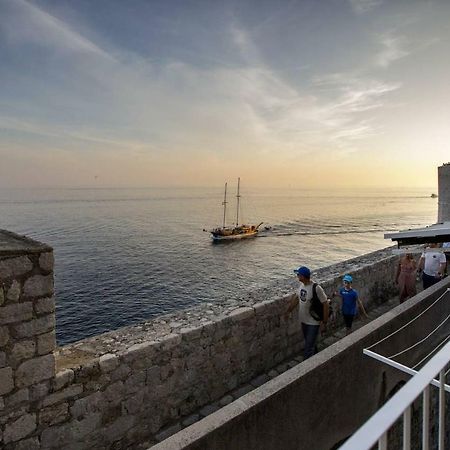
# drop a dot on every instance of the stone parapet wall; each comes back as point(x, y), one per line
point(27, 334)
point(120, 389)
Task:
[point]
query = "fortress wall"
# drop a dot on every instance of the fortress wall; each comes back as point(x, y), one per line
point(27, 336)
point(316, 405)
point(129, 386)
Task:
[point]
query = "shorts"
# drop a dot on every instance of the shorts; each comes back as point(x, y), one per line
point(348, 320)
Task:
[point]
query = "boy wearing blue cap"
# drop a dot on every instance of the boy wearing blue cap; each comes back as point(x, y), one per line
point(350, 300)
point(310, 325)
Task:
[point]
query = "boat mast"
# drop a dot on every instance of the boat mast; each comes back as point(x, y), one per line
point(238, 198)
point(224, 203)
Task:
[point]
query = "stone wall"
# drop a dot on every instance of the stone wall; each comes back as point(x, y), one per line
point(27, 336)
point(120, 389)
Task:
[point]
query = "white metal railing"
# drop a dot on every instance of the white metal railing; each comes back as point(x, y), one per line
point(376, 428)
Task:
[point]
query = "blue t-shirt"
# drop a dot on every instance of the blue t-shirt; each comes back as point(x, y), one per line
point(348, 301)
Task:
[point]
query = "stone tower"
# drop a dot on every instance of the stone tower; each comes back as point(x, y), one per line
point(444, 193)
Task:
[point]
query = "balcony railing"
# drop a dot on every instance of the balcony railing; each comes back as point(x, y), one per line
point(377, 427)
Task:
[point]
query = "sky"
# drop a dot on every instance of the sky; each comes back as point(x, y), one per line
point(286, 93)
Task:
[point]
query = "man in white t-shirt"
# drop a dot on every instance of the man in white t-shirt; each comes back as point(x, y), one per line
point(433, 263)
point(310, 326)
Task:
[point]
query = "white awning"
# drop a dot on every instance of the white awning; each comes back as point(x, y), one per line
point(439, 232)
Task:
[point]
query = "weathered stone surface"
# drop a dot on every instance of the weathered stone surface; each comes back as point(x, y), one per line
point(34, 326)
point(87, 405)
point(35, 370)
point(6, 380)
point(15, 267)
point(60, 436)
point(68, 393)
point(21, 396)
point(119, 428)
point(28, 444)
point(4, 335)
point(108, 362)
point(54, 414)
point(38, 391)
point(241, 313)
point(13, 293)
point(46, 261)
point(23, 350)
point(2, 359)
point(133, 404)
point(46, 343)
point(167, 432)
point(44, 306)
point(62, 379)
point(115, 392)
point(135, 382)
point(38, 286)
point(20, 428)
point(14, 313)
point(2, 295)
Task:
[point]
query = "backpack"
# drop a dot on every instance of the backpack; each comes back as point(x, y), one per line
point(316, 308)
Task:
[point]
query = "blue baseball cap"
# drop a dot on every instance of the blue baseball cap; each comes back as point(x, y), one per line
point(347, 278)
point(303, 271)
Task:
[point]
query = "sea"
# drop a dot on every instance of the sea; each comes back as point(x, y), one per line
point(123, 256)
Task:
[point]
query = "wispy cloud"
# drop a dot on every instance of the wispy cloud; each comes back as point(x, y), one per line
point(28, 23)
point(393, 49)
point(364, 6)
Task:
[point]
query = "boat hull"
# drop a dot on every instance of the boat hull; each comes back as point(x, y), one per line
point(233, 237)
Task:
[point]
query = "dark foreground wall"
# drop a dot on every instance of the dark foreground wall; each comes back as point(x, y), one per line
point(320, 402)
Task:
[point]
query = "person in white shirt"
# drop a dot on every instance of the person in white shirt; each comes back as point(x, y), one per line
point(433, 263)
point(304, 299)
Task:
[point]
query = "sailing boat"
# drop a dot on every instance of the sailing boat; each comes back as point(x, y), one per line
point(233, 232)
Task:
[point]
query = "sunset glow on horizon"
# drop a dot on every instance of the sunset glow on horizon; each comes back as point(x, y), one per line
point(350, 93)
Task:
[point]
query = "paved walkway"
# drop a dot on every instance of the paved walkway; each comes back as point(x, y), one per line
point(261, 379)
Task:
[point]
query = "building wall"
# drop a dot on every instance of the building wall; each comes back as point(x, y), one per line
point(444, 193)
point(121, 388)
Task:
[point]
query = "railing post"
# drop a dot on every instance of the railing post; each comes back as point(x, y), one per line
point(426, 419)
point(442, 409)
point(382, 442)
point(407, 428)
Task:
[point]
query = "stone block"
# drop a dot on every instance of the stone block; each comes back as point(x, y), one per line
point(46, 343)
point(170, 341)
point(17, 312)
point(65, 394)
point(6, 380)
point(4, 335)
point(28, 444)
point(241, 314)
point(132, 405)
point(38, 286)
point(120, 373)
point(44, 306)
point(115, 392)
point(167, 432)
point(15, 267)
point(153, 375)
point(62, 379)
point(22, 350)
point(87, 405)
point(35, 370)
point(35, 326)
point(46, 261)
point(135, 382)
point(119, 428)
point(20, 428)
point(2, 359)
point(21, 396)
point(2, 295)
point(38, 391)
point(13, 293)
point(108, 362)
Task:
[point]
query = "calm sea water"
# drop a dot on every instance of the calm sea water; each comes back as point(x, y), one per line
point(126, 255)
